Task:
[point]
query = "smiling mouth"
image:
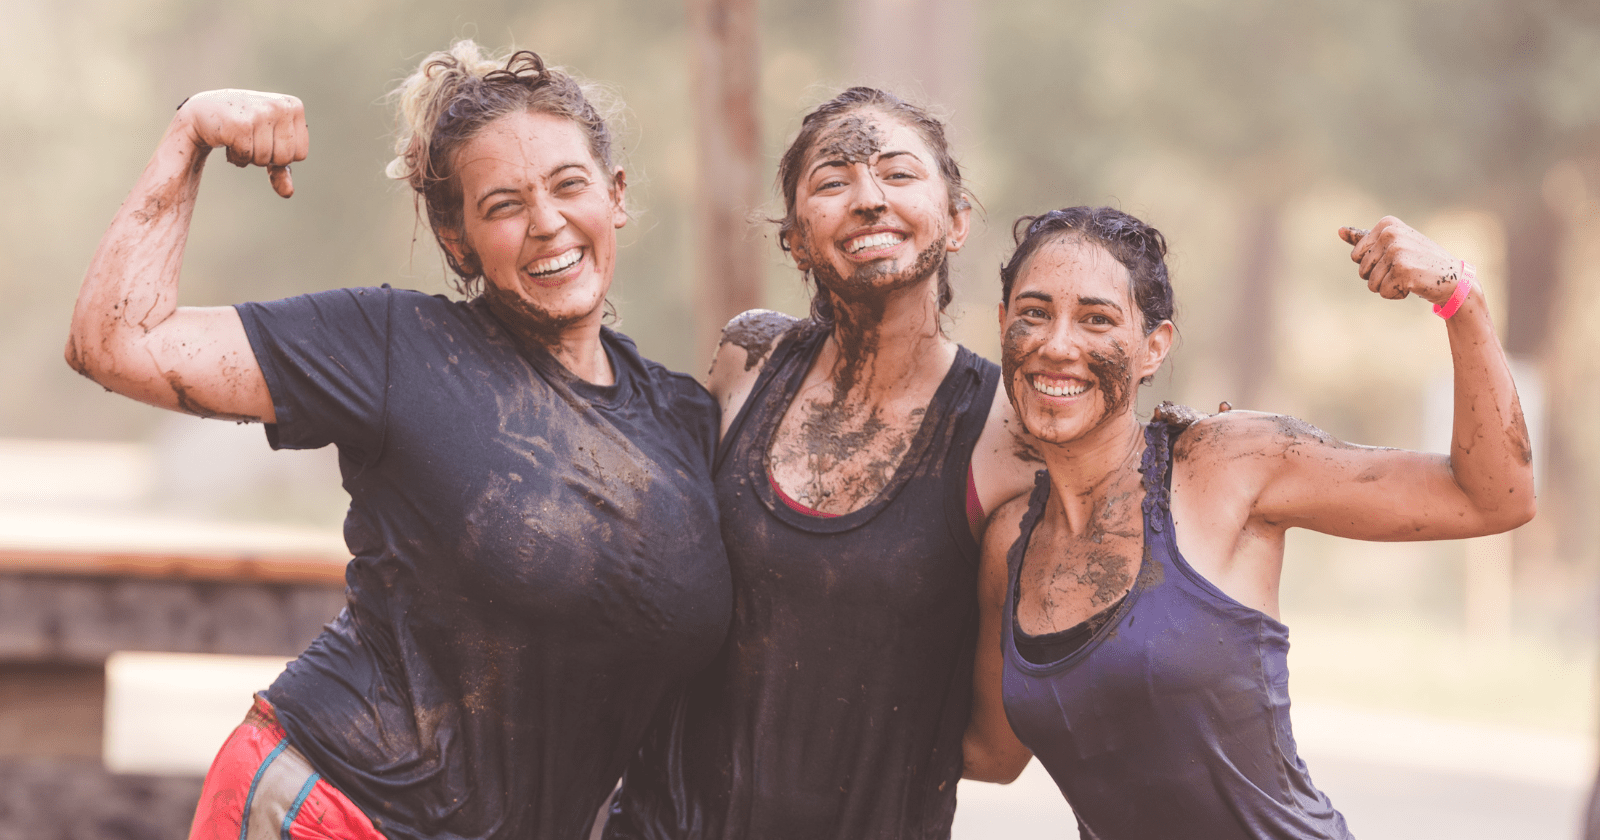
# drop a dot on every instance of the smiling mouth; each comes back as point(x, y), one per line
point(555, 265)
point(1058, 387)
point(873, 241)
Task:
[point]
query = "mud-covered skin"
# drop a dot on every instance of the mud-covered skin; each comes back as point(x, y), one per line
point(1070, 577)
point(855, 138)
point(845, 433)
point(1113, 376)
point(756, 332)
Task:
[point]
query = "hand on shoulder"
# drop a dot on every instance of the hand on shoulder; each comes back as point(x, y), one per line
point(746, 343)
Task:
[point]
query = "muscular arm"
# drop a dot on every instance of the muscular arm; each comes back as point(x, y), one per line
point(1297, 476)
point(990, 750)
point(128, 333)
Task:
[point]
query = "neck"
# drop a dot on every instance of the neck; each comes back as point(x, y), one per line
point(576, 345)
point(879, 343)
point(1087, 471)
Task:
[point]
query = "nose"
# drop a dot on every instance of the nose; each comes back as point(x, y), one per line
point(867, 197)
point(1061, 342)
point(545, 219)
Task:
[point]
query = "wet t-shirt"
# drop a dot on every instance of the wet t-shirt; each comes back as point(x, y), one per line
point(836, 708)
point(536, 561)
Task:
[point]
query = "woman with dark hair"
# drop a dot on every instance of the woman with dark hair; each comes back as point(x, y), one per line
point(536, 559)
point(1134, 596)
point(861, 449)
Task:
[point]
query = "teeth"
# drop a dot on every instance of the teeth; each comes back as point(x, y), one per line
point(1043, 386)
point(556, 263)
point(876, 240)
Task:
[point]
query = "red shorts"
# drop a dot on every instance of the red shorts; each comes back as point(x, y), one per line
point(261, 788)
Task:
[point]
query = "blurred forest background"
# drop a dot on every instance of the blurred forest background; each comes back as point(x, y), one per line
point(1247, 131)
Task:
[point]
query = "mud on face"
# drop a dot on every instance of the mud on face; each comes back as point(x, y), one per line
point(855, 138)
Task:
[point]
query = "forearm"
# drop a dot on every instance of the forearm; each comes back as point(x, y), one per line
point(1490, 454)
point(131, 286)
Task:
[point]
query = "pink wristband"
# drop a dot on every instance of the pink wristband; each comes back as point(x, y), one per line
point(1459, 296)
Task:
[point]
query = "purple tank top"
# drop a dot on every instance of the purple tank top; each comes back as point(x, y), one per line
point(1172, 720)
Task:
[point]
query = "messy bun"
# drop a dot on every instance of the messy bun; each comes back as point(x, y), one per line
point(452, 96)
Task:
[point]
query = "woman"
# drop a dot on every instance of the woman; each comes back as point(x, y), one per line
point(860, 450)
point(536, 554)
point(1131, 603)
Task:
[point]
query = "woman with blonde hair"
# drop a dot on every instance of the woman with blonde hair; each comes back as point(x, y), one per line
point(536, 559)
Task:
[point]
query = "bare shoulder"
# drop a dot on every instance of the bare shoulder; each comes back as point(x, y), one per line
point(747, 341)
point(1004, 526)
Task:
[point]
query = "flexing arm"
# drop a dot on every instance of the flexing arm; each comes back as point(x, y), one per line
point(990, 751)
point(1302, 477)
point(128, 333)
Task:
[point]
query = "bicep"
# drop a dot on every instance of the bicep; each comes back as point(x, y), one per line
point(1365, 493)
point(198, 361)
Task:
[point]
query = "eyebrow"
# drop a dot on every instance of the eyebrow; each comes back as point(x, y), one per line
point(1096, 301)
point(882, 156)
point(1042, 296)
point(554, 171)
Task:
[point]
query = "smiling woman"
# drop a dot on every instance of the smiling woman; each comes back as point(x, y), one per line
point(1130, 605)
point(861, 448)
point(535, 556)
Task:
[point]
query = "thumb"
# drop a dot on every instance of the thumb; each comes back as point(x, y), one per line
point(282, 181)
point(1352, 235)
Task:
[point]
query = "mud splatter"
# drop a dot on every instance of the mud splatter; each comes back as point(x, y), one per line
point(1014, 347)
point(1517, 434)
point(1298, 432)
point(853, 139)
point(188, 403)
point(1178, 416)
point(755, 333)
point(1113, 373)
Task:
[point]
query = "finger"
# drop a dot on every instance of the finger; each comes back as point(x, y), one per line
point(1224, 407)
point(282, 181)
point(1369, 259)
point(261, 148)
point(1352, 235)
point(239, 151)
point(284, 144)
point(302, 134)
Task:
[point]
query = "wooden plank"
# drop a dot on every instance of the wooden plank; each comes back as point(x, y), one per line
point(224, 567)
point(83, 619)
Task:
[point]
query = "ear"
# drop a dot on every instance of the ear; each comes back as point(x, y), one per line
point(1001, 310)
point(455, 242)
point(619, 191)
point(960, 226)
point(1156, 347)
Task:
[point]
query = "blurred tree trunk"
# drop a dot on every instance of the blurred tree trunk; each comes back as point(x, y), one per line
point(725, 78)
point(923, 50)
point(1252, 318)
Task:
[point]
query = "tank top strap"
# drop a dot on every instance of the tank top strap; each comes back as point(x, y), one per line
point(1156, 468)
point(1019, 547)
point(788, 364)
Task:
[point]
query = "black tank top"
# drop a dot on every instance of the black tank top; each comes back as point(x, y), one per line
point(836, 707)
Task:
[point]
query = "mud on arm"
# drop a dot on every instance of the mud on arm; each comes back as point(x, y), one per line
point(128, 334)
point(1484, 486)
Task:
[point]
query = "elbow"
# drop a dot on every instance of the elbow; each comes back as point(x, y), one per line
point(75, 358)
point(983, 765)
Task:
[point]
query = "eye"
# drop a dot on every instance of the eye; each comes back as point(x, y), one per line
point(1036, 313)
point(1099, 319)
point(500, 208)
point(572, 184)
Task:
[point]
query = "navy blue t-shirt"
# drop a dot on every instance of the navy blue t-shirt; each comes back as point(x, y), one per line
point(536, 560)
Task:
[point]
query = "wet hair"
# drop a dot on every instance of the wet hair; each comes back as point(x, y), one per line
point(1140, 248)
point(825, 116)
point(452, 97)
